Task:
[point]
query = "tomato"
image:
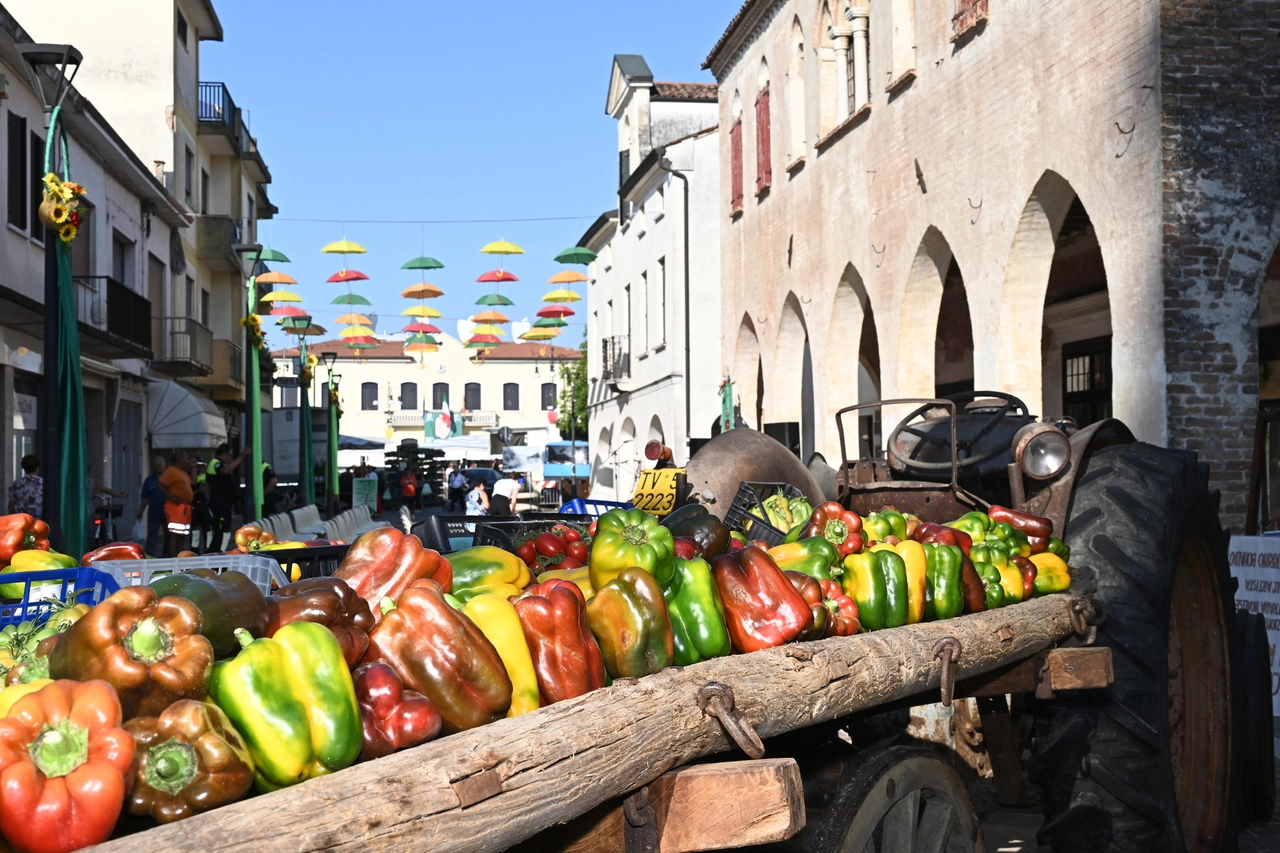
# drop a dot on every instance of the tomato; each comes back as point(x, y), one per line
point(549, 545)
point(577, 550)
point(566, 563)
point(567, 533)
point(592, 529)
point(528, 552)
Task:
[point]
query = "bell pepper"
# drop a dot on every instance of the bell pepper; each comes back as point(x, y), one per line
point(21, 532)
point(1029, 572)
point(1011, 582)
point(496, 617)
point(148, 648)
point(292, 698)
point(485, 568)
point(227, 601)
point(384, 562)
point(34, 666)
point(887, 522)
point(10, 694)
point(974, 524)
point(841, 527)
point(813, 556)
point(877, 582)
point(629, 619)
point(973, 590)
point(843, 621)
point(188, 760)
point(702, 527)
point(1013, 540)
point(761, 607)
point(251, 537)
point(992, 551)
point(1057, 546)
point(329, 602)
point(630, 537)
point(938, 534)
point(439, 652)
point(114, 551)
point(944, 573)
point(579, 577)
point(64, 762)
point(916, 564)
point(697, 616)
point(811, 591)
point(393, 718)
point(992, 585)
point(1032, 525)
point(1052, 573)
point(33, 561)
point(566, 656)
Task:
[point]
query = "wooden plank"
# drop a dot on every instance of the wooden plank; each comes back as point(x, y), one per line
point(731, 804)
point(559, 762)
point(1081, 668)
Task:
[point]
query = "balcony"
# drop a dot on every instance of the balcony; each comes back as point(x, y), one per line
point(116, 321)
point(406, 419)
point(252, 157)
point(185, 346)
point(480, 419)
point(216, 238)
point(615, 362)
point(219, 119)
point(228, 370)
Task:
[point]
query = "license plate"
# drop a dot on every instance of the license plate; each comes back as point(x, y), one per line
point(656, 492)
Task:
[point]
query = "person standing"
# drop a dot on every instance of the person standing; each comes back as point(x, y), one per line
point(27, 492)
point(394, 477)
point(477, 500)
point(175, 483)
point(269, 483)
point(153, 505)
point(503, 502)
point(409, 490)
point(447, 490)
point(221, 477)
point(457, 489)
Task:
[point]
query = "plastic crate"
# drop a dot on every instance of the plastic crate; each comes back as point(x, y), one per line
point(592, 507)
point(314, 561)
point(505, 533)
point(751, 495)
point(87, 585)
point(262, 570)
point(449, 533)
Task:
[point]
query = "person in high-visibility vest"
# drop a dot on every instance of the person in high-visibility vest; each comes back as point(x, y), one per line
point(220, 475)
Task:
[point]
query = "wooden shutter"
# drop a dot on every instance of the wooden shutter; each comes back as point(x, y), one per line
point(764, 154)
point(735, 171)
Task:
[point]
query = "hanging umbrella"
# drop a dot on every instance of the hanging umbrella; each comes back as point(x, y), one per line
point(300, 321)
point(556, 311)
point(350, 299)
point(576, 255)
point(355, 332)
point(343, 247)
point(287, 311)
point(421, 339)
point(539, 334)
point(347, 275)
point(421, 348)
point(271, 255)
point(494, 299)
point(360, 339)
point(567, 277)
point(501, 247)
point(549, 323)
point(272, 277)
point(485, 339)
point(422, 327)
point(497, 275)
point(281, 296)
point(421, 311)
point(355, 319)
point(422, 291)
point(561, 295)
point(310, 331)
point(490, 317)
point(361, 346)
point(486, 329)
point(422, 263)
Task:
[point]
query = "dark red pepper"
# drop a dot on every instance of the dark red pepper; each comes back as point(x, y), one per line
point(811, 592)
point(975, 594)
point(393, 718)
point(114, 551)
point(930, 533)
point(1032, 525)
point(566, 657)
point(839, 526)
point(761, 607)
point(330, 602)
point(1029, 571)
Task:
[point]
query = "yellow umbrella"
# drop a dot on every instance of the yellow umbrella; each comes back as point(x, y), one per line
point(421, 311)
point(281, 296)
point(501, 247)
point(421, 348)
point(422, 291)
point(490, 317)
point(343, 247)
point(356, 332)
point(561, 295)
point(567, 277)
point(539, 334)
point(485, 329)
point(356, 319)
point(274, 277)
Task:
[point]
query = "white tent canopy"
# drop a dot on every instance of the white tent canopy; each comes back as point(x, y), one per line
point(181, 419)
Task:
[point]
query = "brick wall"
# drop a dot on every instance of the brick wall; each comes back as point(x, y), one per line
point(1219, 66)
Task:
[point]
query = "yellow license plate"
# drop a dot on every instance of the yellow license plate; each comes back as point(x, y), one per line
point(656, 492)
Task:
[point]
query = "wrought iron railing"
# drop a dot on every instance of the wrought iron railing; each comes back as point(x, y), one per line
point(216, 105)
point(186, 339)
point(615, 362)
point(105, 304)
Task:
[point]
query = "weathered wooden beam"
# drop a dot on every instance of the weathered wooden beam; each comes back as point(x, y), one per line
point(730, 804)
point(559, 762)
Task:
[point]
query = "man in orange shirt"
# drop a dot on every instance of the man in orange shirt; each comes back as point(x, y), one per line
point(175, 484)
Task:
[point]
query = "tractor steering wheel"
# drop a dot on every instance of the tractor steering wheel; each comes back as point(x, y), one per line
point(973, 424)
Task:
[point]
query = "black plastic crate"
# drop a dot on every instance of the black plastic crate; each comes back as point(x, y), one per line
point(751, 495)
point(449, 533)
point(319, 561)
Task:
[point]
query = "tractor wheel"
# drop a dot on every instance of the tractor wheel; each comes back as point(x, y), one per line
point(1149, 763)
point(1258, 735)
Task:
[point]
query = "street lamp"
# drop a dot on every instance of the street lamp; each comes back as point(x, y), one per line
point(331, 468)
point(307, 477)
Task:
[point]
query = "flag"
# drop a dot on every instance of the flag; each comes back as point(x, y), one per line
point(444, 424)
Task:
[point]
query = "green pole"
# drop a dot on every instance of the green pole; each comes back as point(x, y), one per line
point(255, 402)
point(332, 467)
point(307, 475)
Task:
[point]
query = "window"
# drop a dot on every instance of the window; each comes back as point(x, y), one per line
point(289, 398)
point(627, 294)
point(439, 395)
point(471, 396)
point(1086, 380)
point(17, 171)
point(548, 396)
point(642, 300)
point(204, 192)
point(37, 186)
point(190, 294)
point(188, 175)
point(182, 28)
point(510, 397)
point(409, 396)
point(660, 308)
point(735, 167)
point(121, 260)
point(324, 395)
point(795, 94)
point(969, 14)
point(369, 396)
point(764, 150)
point(204, 307)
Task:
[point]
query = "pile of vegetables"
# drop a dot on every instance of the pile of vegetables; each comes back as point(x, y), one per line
point(167, 700)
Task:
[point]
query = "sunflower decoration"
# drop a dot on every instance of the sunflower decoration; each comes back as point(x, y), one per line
point(60, 207)
point(253, 323)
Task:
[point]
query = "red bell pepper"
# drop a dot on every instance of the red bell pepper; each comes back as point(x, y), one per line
point(843, 621)
point(811, 591)
point(937, 534)
point(761, 607)
point(566, 656)
point(329, 602)
point(251, 537)
point(114, 551)
point(629, 618)
point(839, 526)
point(64, 760)
point(1032, 525)
point(21, 532)
point(384, 562)
point(393, 718)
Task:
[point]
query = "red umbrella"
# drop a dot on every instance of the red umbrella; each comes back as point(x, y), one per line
point(348, 275)
point(287, 311)
point(427, 328)
point(497, 275)
point(361, 339)
point(484, 339)
point(557, 310)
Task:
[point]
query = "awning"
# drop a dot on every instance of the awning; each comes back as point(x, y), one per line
point(463, 447)
point(351, 442)
point(179, 418)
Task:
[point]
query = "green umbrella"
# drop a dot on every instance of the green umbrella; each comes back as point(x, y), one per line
point(351, 299)
point(421, 339)
point(361, 346)
point(576, 255)
point(494, 299)
point(549, 322)
point(269, 254)
point(423, 263)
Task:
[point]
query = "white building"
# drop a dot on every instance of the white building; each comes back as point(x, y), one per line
point(123, 244)
point(654, 295)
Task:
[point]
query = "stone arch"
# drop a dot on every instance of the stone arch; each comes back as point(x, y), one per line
point(762, 74)
point(602, 465)
point(735, 106)
point(853, 359)
point(626, 460)
point(921, 300)
point(828, 112)
point(747, 373)
point(795, 94)
point(789, 401)
point(656, 432)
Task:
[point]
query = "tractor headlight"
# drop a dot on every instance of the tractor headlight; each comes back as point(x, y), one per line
point(1042, 450)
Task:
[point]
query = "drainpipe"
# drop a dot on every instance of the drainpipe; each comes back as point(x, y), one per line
point(665, 165)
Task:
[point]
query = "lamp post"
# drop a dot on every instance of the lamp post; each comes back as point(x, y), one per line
point(307, 478)
point(63, 455)
point(331, 465)
point(253, 391)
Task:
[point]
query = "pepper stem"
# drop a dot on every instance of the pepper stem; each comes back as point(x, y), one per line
point(60, 748)
point(148, 642)
point(386, 605)
point(243, 637)
point(171, 766)
point(634, 534)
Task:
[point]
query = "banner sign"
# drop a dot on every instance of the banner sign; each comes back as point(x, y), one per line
point(1255, 563)
point(364, 493)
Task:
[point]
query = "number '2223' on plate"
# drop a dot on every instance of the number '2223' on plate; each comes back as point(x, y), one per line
point(656, 491)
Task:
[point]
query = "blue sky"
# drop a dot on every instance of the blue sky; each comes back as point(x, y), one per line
point(441, 111)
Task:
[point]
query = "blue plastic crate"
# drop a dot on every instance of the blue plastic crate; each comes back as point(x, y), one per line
point(87, 585)
point(593, 507)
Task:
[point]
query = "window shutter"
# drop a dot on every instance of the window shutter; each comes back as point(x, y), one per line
point(764, 154)
point(735, 154)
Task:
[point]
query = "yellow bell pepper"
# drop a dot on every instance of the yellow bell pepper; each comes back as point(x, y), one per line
point(1011, 583)
point(10, 695)
point(496, 618)
point(34, 561)
point(581, 577)
point(1052, 573)
point(917, 562)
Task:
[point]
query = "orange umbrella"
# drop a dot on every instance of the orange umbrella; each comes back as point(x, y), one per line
point(490, 317)
point(275, 278)
point(567, 277)
point(422, 291)
point(354, 320)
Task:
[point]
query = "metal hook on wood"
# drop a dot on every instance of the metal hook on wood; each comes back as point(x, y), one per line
point(716, 699)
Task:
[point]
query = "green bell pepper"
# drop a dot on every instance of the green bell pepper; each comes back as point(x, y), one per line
point(945, 588)
point(794, 534)
point(485, 568)
point(627, 538)
point(886, 522)
point(1057, 546)
point(628, 617)
point(697, 616)
point(992, 588)
point(877, 582)
point(976, 524)
point(227, 601)
point(991, 551)
point(293, 700)
point(1013, 539)
point(813, 556)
